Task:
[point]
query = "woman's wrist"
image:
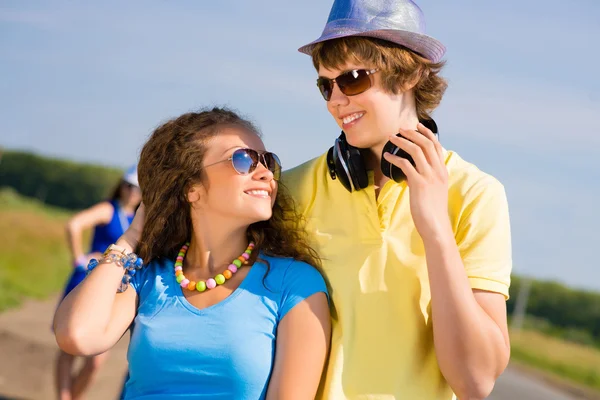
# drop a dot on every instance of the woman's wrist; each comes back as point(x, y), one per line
point(128, 242)
point(121, 256)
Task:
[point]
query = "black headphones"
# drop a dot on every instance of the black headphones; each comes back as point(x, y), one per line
point(346, 163)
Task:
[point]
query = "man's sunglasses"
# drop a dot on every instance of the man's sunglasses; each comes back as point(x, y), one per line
point(350, 83)
point(245, 161)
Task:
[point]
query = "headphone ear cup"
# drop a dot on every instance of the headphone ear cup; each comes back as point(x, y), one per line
point(385, 164)
point(431, 125)
point(358, 171)
point(346, 164)
point(338, 168)
point(389, 169)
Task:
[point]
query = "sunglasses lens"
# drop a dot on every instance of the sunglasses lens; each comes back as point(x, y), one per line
point(244, 161)
point(354, 82)
point(325, 87)
point(273, 165)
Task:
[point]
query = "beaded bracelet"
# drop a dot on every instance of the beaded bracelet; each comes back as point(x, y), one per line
point(129, 262)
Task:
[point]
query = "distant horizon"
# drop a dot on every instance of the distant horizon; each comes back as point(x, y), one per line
point(96, 164)
point(58, 157)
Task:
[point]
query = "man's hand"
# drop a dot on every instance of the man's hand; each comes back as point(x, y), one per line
point(428, 181)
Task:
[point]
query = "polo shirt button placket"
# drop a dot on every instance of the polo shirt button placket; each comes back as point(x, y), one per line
point(383, 218)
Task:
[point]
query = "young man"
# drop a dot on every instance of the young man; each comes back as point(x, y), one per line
point(420, 264)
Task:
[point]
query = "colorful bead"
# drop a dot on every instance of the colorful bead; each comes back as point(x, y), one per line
point(128, 261)
point(184, 283)
point(178, 272)
point(232, 268)
point(211, 283)
point(179, 268)
point(179, 278)
point(92, 264)
point(192, 286)
point(245, 256)
point(220, 279)
point(237, 263)
point(227, 274)
point(201, 286)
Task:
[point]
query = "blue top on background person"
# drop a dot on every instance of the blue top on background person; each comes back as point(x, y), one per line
point(109, 219)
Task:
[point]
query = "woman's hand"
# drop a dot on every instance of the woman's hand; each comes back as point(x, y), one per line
point(133, 234)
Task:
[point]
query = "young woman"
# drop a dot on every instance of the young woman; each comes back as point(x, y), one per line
point(415, 240)
point(109, 219)
point(230, 304)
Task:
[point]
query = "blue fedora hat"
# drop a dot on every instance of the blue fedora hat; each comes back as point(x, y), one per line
point(398, 21)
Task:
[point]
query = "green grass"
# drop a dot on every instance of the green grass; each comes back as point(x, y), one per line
point(34, 257)
point(571, 361)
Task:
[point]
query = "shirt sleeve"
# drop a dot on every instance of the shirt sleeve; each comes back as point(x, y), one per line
point(300, 281)
point(137, 280)
point(484, 238)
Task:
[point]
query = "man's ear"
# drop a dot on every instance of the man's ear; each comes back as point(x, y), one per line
point(413, 80)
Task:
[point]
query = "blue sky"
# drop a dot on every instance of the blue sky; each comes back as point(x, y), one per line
point(90, 82)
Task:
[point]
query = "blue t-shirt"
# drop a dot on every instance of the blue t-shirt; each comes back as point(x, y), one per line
point(105, 235)
point(225, 351)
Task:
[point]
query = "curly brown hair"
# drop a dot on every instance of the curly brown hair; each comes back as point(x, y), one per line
point(171, 161)
point(400, 67)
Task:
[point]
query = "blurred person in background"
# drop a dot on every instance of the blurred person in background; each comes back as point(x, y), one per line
point(109, 219)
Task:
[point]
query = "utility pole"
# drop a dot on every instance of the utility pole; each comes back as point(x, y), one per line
point(521, 304)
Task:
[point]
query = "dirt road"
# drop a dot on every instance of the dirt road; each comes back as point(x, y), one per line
point(28, 350)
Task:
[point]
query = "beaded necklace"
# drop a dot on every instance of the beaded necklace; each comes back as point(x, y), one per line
point(210, 283)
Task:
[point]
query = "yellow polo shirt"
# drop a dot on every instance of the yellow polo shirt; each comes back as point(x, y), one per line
point(382, 340)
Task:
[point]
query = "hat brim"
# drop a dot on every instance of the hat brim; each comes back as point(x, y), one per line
point(426, 46)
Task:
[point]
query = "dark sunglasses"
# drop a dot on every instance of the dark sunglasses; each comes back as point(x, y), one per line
point(245, 161)
point(130, 185)
point(350, 83)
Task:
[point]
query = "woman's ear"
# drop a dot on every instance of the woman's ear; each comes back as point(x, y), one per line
point(194, 193)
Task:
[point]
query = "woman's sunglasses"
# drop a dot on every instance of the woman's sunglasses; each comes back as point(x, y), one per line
point(245, 161)
point(350, 83)
point(130, 185)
